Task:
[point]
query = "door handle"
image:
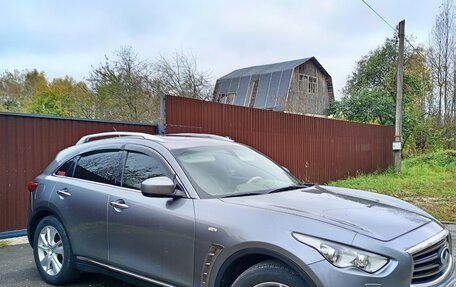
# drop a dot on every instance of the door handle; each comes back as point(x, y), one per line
point(63, 193)
point(119, 204)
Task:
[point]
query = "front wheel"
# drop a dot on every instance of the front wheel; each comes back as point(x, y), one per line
point(52, 252)
point(269, 273)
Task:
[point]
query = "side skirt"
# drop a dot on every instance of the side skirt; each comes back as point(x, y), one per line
point(85, 264)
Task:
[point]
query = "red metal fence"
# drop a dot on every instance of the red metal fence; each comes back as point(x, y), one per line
point(314, 149)
point(27, 145)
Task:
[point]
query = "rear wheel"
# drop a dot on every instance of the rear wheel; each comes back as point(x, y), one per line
point(269, 273)
point(52, 252)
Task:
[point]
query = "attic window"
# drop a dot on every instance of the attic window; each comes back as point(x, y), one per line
point(227, 98)
point(230, 98)
point(308, 84)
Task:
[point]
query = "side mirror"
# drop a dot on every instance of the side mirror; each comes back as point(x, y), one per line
point(160, 186)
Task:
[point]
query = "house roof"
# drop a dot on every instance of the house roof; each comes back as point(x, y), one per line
point(270, 68)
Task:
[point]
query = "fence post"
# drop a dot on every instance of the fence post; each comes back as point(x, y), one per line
point(162, 122)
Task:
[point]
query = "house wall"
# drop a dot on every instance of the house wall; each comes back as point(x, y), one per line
point(299, 102)
point(271, 92)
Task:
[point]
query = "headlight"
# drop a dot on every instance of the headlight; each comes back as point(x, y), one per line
point(344, 256)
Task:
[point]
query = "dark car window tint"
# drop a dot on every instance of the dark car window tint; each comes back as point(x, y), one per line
point(67, 168)
point(139, 167)
point(98, 166)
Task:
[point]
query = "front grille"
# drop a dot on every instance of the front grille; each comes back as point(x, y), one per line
point(430, 263)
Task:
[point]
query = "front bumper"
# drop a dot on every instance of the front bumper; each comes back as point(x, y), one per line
point(394, 275)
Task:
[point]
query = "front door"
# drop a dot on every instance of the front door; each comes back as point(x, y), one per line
point(152, 237)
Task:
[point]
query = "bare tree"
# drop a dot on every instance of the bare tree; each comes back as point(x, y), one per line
point(179, 76)
point(441, 58)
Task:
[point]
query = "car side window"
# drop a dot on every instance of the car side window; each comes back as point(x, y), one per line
point(99, 166)
point(67, 168)
point(139, 167)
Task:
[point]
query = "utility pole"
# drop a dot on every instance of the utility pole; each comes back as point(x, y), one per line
point(397, 144)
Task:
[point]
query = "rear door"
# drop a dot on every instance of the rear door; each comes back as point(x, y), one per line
point(81, 195)
point(153, 237)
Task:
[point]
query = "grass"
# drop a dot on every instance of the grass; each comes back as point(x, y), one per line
point(428, 181)
point(3, 243)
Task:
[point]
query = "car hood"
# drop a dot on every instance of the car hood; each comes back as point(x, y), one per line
point(377, 216)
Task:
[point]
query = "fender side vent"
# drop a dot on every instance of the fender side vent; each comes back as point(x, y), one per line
point(212, 253)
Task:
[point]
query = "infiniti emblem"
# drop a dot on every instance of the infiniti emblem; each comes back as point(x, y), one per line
point(444, 256)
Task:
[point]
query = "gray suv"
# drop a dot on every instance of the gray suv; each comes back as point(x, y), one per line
point(202, 210)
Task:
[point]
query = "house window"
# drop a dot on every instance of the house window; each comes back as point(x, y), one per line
point(230, 98)
point(222, 98)
point(253, 92)
point(308, 84)
point(227, 98)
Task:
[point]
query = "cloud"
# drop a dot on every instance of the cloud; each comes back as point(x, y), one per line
point(67, 38)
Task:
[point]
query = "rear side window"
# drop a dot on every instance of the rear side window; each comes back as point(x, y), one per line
point(139, 167)
point(67, 168)
point(99, 166)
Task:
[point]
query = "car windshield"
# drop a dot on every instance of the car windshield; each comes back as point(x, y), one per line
point(231, 170)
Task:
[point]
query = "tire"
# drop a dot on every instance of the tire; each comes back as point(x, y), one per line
point(269, 273)
point(52, 251)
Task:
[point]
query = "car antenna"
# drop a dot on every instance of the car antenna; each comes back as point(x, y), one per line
point(115, 131)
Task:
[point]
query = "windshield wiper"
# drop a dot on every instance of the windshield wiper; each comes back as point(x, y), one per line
point(286, 188)
point(242, 194)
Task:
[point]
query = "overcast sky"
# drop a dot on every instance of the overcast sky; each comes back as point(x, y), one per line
point(69, 37)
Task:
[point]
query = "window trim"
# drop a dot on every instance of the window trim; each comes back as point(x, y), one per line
point(147, 151)
point(307, 84)
point(253, 92)
point(116, 175)
point(225, 98)
point(75, 158)
point(124, 162)
point(119, 147)
point(123, 148)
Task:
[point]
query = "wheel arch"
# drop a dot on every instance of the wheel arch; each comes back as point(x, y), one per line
point(34, 220)
point(241, 260)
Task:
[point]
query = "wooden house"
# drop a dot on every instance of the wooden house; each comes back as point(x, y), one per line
point(300, 86)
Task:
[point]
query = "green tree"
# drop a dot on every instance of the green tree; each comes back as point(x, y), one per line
point(17, 89)
point(62, 97)
point(125, 89)
point(370, 93)
point(49, 103)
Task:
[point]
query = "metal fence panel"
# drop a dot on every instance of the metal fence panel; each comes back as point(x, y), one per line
point(314, 149)
point(27, 145)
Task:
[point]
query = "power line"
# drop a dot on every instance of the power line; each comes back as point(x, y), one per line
point(391, 26)
point(411, 45)
point(380, 16)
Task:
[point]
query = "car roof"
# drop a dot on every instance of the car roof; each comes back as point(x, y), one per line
point(170, 142)
point(181, 142)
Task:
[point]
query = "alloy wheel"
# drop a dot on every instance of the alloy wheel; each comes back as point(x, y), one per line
point(50, 250)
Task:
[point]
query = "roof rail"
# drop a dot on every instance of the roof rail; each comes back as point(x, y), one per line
point(87, 138)
point(207, 136)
